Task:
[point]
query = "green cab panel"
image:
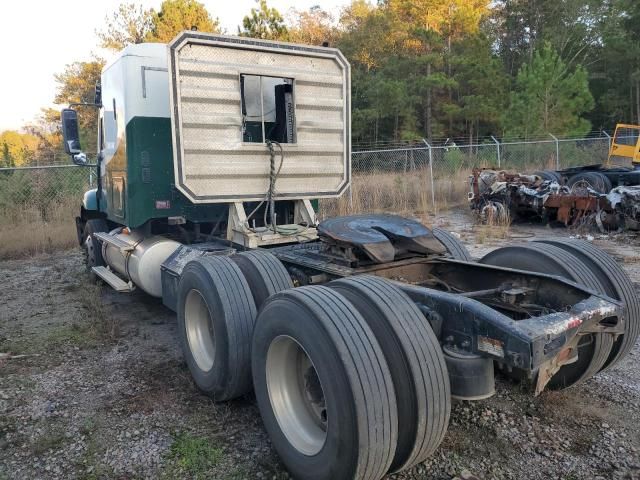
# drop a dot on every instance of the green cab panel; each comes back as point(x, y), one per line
point(143, 188)
point(139, 183)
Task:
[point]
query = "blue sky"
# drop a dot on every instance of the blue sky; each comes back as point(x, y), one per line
point(39, 37)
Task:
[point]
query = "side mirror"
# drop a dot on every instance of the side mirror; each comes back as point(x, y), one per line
point(80, 159)
point(97, 99)
point(70, 131)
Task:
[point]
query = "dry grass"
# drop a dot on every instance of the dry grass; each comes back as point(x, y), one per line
point(402, 194)
point(496, 225)
point(32, 229)
point(29, 230)
point(104, 325)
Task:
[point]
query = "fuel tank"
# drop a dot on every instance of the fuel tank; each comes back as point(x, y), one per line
point(142, 263)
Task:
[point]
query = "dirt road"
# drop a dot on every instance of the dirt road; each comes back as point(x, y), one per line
point(102, 392)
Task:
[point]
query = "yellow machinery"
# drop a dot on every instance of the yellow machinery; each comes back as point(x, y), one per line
point(625, 146)
point(622, 167)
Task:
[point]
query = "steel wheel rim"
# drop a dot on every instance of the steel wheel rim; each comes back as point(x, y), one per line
point(91, 254)
point(582, 187)
point(296, 395)
point(199, 329)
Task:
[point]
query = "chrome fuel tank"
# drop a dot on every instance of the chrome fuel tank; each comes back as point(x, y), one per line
point(142, 263)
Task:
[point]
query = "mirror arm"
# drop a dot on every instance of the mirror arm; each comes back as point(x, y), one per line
point(99, 157)
point(98, 180)
point(84, 104)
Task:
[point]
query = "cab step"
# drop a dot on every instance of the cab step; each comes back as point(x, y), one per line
point(112, 279)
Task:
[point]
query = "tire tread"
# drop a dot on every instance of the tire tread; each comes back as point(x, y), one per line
point(264, 273)
point(454, 247)
point(239, 311)
point(424, 361)
point(617, 285)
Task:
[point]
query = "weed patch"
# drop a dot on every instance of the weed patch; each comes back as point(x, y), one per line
point(496, 224)
point(195, 455)
point(27, 231)
point(82, 336)
point(104, 326)
point(52, 438)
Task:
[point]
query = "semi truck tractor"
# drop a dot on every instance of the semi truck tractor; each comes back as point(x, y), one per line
point(355, 333)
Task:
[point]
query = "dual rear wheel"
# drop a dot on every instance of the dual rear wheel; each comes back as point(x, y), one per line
point(349, 377)
point(324, 391)
point(218, 301)
point(616, 284)
point(587, 265)
point(581, 183)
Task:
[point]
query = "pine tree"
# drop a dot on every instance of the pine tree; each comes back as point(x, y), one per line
point(178, 15)
point(549, 98)
point(264, 22)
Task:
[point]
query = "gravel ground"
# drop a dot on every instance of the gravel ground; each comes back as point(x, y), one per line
point(101, 391)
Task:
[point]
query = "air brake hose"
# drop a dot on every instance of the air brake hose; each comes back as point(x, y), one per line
point(273, 176)
point(271, 192)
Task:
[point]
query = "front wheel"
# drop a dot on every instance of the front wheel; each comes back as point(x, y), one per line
point(92, 247)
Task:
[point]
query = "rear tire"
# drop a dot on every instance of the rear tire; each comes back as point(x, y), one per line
point(603, 342)
point(216, 314)
point(549, 175)
point(323, 387)
point(616, 283)
point(264, 273)
point(415, 360)
point(593, 180)
point(455, 248)
point(593, 349)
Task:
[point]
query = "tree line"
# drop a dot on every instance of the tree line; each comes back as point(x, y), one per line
point(432, 69)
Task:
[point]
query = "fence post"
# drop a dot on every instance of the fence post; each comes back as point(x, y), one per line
point(608, 140)
point(433, 191)
point(351, 186)
point(557, 151)
point(497, 148)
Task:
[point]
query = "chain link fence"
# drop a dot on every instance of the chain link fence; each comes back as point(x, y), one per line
point(407, 179)
point(38, 205)
point(424, 178)
point(42, 187)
